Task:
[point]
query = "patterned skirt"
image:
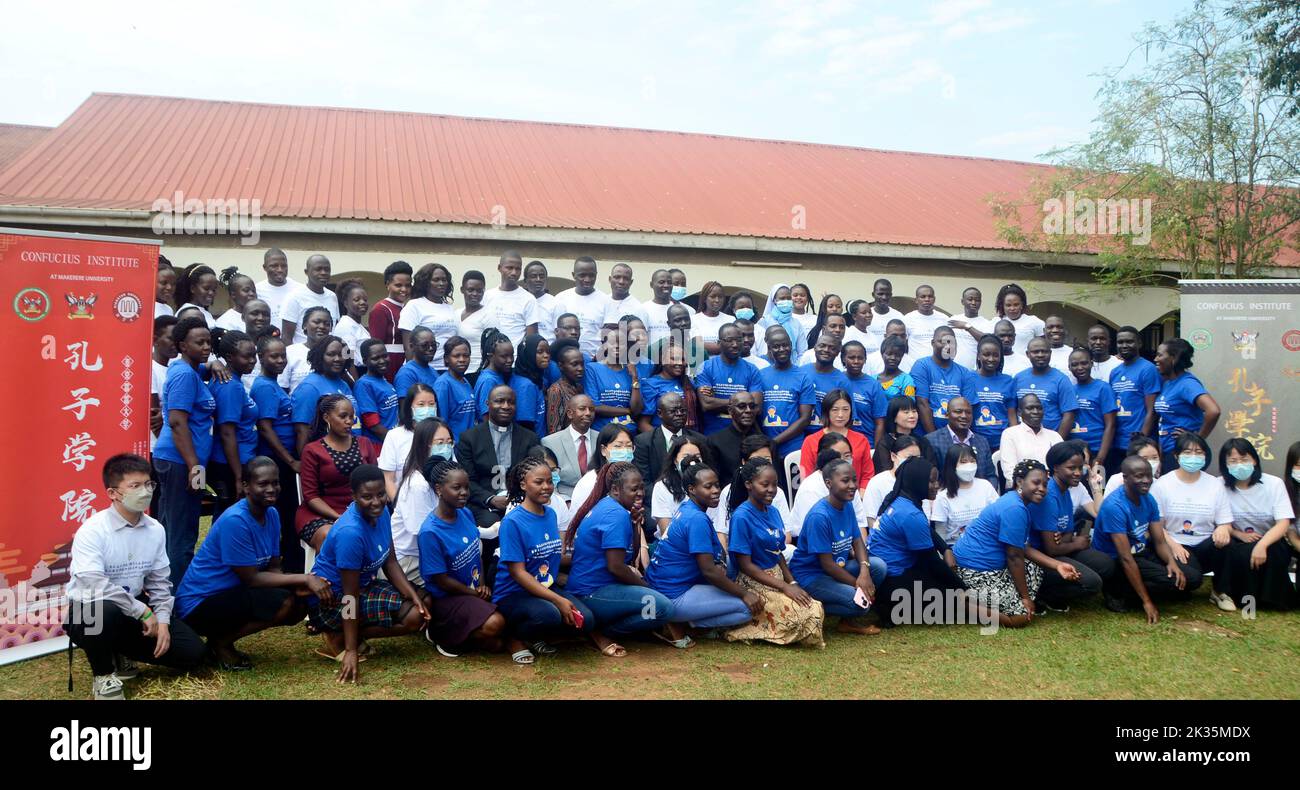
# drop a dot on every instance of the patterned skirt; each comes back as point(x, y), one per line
point(378, 606)
point(998, 588)
point(782, 621)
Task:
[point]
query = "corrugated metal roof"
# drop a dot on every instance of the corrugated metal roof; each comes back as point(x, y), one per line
point(17, 138)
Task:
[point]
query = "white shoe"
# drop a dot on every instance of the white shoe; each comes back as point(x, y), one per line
point(1223, 601)
point(126, 668)
point(108, 687)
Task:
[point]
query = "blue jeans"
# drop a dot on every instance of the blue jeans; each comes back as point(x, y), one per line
point(705, 606)
point(628, 609)
point(837, 597)
point(178, 510)
point(532, 619)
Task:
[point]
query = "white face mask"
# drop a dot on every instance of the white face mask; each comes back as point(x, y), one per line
point(1295, 475)
point(1155, 467)
point(966, 472)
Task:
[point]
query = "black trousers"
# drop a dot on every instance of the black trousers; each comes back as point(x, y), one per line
point(1155, 576)
point(292, 558)
point(929, 570)
point(1269, 585)
point(222, 479)
point(1092, 565)
point(109, 631)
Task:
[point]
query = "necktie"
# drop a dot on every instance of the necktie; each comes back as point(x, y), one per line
point(582, 454)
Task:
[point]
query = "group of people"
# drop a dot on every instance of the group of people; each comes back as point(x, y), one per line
point(524, 469)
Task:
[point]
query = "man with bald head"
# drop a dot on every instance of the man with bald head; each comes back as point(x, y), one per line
point(313, 294)
point(487, 451)
point(575, 445)
point(957, 431)
point(650, 449)
point(725, 443)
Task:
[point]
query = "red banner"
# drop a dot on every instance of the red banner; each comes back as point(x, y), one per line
point(77, 319)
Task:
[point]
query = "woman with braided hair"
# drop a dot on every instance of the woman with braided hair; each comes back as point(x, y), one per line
point(531, 549)
point(498, 369)
point(605, 539)
point(461, 614)
point(235, 433)
point(197, 287)
point(755, 544)
point(327, 364)
point(241, 290)
point(994, 557)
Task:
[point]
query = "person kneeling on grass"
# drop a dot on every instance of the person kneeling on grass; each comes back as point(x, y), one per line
point(234, 586)
point(363, 607)
point(605, 539)
point(461, 614)
point(120, 593)
point(830, 560)
point(531, 550)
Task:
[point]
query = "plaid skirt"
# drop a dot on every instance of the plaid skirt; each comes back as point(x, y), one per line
point(782, 621)
point(379, 603)
point(997, 588)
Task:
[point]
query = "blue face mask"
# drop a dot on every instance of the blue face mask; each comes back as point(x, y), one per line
point(555, 477)
point(442, 451)
point(745, 314)
point(620, 455)
point(679, 293)
point(1191, 463)
point(1241, 471)
point(784, 306)
point(422, 413)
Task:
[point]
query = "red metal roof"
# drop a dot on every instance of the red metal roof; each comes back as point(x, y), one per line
point(17, 138)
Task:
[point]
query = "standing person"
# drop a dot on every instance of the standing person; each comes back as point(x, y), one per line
point(318, 325)
point(711, 317)
point(1095, 420)
point(958, 432)
point(185, 443)
point(994, 399)
point(939, 379)
point(277, 440)
point(680, 289)
point(1262, 514)
point(532, 362)
point(962, 495)
point(257, 321)
point(314, 294)
point(327, 462)
point(575, 444)
point(859, 321)
point(1054, 331)
point(1099, 352)
point(830, 320)
point(431, 309)
point(234, 421)
point(163, 352)
point(787, 398)
point(386, 315)
point(679, 335)
point(415, 498)
point(1013, 361)
point(453, 389)
point(780, 312)
point(614, 384)
point(725, 445)
point(621, 300)
point(354, 304)
point(1183, 404)
point(572, 363)
point(1054, 390)
point(277, 285)
point(1136, 383)
point(590, 305)
point(512, 308)
point(922, 322)
point(837, 417)
point(823, 374)
point(1055, 531)
point(240, 290)
point(882, 293)
point(567, 326)
point(894, 381)
point(747, 341)
point(475, 319)
point(376, 398)
point(197, 287)
point(488, 450)
point(1197, 514)
point(119, 591)
point(1292, 483)
point(498, 369)
point(970, 328)
point(1013, 306)
point(722, 376)
point(327, 365)
point(1027, 439)
point(801, 295)
point(419, 369)
point(869, 402)
point(415, 406)
point(164, 289)
point(535, 277)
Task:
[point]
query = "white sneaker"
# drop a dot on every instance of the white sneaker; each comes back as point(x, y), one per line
point(108, 687)
point(126, 668)
point(1223, 601)
point(428, 637)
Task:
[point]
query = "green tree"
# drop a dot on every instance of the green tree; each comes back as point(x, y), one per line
point(1278, 30)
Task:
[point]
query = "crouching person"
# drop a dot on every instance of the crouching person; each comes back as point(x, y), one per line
point(234, 586)
point(120, 593)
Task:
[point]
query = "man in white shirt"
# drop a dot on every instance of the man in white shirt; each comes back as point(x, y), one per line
point(314, 294)
point(747, 340)
point(621, 300)
point(512, 309)
point(1103, 362)
point(120, 592)
point(971, 326)
point(656, 309)
point(1054, 331)
point(1028, 438)
point(1012, 361)
point(881, 313)
point(591, 306)
point(922, 322)
point(535, 276)
point(277, 285)
point(876, 362)
point(574, 446)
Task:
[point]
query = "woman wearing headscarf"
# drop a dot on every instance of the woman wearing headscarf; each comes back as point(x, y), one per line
point(780, 312)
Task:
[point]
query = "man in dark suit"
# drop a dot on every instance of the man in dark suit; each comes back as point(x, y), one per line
point(488, 450)
point(725, 444)
point(958, 431)
point(651, 448)
point(565, 443)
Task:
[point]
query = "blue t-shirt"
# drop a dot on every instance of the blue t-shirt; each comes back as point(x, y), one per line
point(822, 383)
point(453, 549)
point(1054, 514)
point(726, 380)
point(550, 375)
point(901, 532)
point(993, 396)
point(673, 569)
point(185, 391)
point(312, 389)
point(869, 404)
point(353, 544)
point(938, 385)
point(1132, 383)
point(760, 534)
point(376, 396)
point(825, 531)
point(273, 404)
point(456, 404)
point(607, 526)
point(1120, 515)
point(609, 387)
point(784, 391)
point(236, 540)
point(530, 406)
point(982, 547)
point(412, 372)
point(1176, 407)
point(651, 389)
point(533, 540)
point(234, 406)
point(1054, 390)
point(1096, 399)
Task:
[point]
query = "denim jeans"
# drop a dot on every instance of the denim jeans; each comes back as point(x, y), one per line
point(628, 609)
point(178, 510)
point(532, 619)
point(837, 597)
point(705, 606)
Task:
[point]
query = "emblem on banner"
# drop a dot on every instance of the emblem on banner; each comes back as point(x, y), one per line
point(1200, 338)
point(127, 307)
point(32, 304)
point(1291, 340)
point(81, 306)
point(1245, 342)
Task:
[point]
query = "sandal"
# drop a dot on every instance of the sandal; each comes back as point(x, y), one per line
point(681, 644)
point(613, 650)
point(523, 657)
point(543, 649)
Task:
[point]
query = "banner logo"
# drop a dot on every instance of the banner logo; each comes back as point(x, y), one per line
point(1245, 342)
point(1200, 338)
point(1291, 340)
point(127, 307)
point(32, 304)
point(81, 306)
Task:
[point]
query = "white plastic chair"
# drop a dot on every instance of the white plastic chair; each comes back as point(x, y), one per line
point(308, 552)
point(793, 474)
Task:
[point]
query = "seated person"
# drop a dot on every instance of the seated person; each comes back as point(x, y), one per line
point(327, 463)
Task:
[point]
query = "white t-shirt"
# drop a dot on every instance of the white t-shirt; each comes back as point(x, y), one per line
point(1191, 511)
point(162, 309)
point(852, 333)
point(920, 331)
point(662, 504)
point(583, 488)
point(352, 334)
point(397, 445)
point(274, 296)
point(415, 501)
point(807, 319)
point(563, 514)
point(954, 514)
point(1115, 483)
point(298, 302)
point(618, 308)
point(231, 319)
point(875, 364)
point(809, 358)
point(158, 377)
point(1101, 370)
point(591, 311)
point(1061, 361)
point(511, 312)
point(124, 555)
point(296, 368)
point(781, 503)
point(546, 316)
point(878, 325)
point(706, 328)
point(813, 490)
point(757, 361)
point(1015, 363)
point(967, 346)
point(657, 320)
point(472, 330)
point(207, 316)
point(877, 489)
point(1027, 327)
point(441, 319)
point(1258, 508)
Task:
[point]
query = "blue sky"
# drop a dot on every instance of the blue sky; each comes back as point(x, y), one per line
point(992, 78)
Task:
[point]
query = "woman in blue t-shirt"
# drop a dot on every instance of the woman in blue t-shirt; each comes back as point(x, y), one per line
point(1053, 531)
point(235, 420)
point(1183, 403)
point(604, 538)
point(376, 398)
point(532, 362)
point(756, 540)
point(277, 440)
point(461, 614)
point(453, 390)
point(995, 393)
point(327, 363)
point(498, 369)
point(531, 549)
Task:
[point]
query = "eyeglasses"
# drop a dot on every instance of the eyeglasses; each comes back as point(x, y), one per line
point(148, 485)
